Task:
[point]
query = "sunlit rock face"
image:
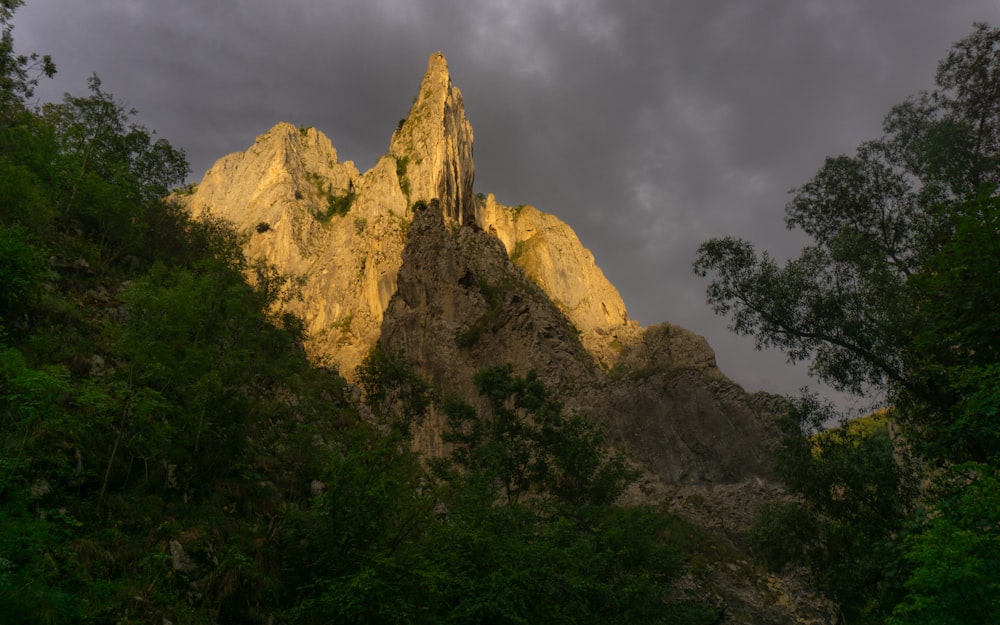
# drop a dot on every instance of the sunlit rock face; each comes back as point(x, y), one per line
point(408, 254)
point(318, 220)
point(433, 147)
point(337, 230)
point(551, 255)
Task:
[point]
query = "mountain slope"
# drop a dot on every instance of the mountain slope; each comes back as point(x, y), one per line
point(470, 282)
point(406, 255)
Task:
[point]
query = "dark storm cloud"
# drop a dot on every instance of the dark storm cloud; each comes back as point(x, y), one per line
point(647, 125)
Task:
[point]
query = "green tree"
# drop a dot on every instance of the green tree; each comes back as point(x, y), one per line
point(896, 300)
point(33, 429)
point(19, 73)
point(852, 491)
point(357, 546)
point(21, 271)
point(398, 397)
point(99, 132)
point(109, 169)
point(908, 220)
point(525, 442)
point(954, 335)
point(21, 153)
point(956, 555)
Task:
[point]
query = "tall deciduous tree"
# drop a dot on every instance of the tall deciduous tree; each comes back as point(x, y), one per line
point(896, 298)
point(904, 236)
point(19, 73)
point(109, 169)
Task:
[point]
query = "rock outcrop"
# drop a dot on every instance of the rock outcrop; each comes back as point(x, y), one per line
point(408, 254)
point(433, 147)
point(551, 255)
point(341, 233)
point(462, 305)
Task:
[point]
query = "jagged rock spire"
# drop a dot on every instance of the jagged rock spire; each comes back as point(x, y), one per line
point(433, 147)
point(457, 300)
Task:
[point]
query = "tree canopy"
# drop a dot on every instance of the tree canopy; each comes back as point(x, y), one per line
point(896, 299)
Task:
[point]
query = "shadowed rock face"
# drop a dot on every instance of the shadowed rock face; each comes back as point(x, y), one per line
point(459, 285)
point(463, 305)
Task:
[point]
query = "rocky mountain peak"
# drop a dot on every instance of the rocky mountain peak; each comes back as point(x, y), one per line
point(383, 257)
point(287, 165)
point(433, 147)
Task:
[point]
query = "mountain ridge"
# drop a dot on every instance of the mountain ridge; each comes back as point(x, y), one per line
point(407, 254)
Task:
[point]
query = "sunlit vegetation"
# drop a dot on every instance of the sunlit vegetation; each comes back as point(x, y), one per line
point(402, 162)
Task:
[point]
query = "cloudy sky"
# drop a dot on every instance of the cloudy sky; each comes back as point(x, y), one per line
point(647, 125)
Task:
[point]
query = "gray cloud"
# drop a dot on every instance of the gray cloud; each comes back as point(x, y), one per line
point(647, 125)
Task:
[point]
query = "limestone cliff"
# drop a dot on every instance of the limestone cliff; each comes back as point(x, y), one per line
point(433, 147)
point(460, 284)
point(407, 254)
point(551, 255)
point(341, 233)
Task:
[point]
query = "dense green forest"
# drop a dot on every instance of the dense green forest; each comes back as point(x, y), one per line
point(169, 455)
point(896, 300)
